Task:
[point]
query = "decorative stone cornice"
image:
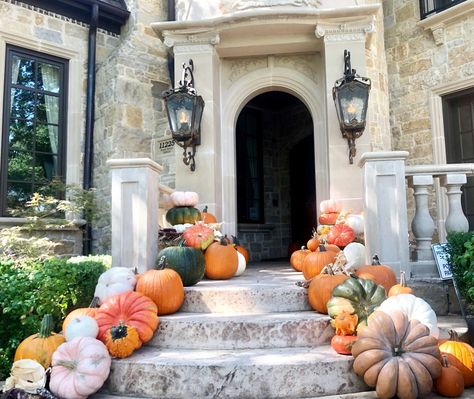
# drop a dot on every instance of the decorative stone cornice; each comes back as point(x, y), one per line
point(331, 31)
point(173, 39)
point(246, 4)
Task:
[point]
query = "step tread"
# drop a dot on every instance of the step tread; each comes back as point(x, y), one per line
point(187, 317)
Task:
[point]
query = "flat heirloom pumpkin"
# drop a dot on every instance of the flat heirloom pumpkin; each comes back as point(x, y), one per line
point(183, 214)
point(80, 368)
point(397, 356)
point(356, 296)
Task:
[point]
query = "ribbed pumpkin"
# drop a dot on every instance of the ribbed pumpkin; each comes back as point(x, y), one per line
point(122, 340)
point(41, 346)
point(328, 218)
point(183, 214)
point(241, 249)
point(396, 356)
point(356, 296)
point(340, 235)
point(314, 262)
point(90, 311)
point(208, 217)
point(400, 288)
point(164, 287)
point(186, 261)
point(221, 260)
point(198, 236)
point(131, 308)
point(383, 275)
point(463, 353)
point(297, 258)
point(321, 287)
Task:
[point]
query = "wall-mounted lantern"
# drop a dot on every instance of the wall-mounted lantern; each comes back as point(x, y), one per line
point(351, 97)
point(184, 108)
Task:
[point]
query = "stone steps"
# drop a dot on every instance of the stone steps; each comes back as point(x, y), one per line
point(256, 373)
point(254, 331)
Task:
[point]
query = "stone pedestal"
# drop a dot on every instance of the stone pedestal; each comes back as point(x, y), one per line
point(385, 209)
point(135, 198)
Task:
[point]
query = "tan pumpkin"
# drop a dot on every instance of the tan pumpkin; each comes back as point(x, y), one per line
point(164, 287)
point(221, 260)
point(41, 346)
point(320, 289)
point(401, 287)
point(297, 258)
point(382, 274)
point(396, 356)
point(315, 261)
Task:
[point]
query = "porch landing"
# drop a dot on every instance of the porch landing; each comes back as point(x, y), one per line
point(253, 336)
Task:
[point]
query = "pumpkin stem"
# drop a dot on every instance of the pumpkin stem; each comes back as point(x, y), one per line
point(119, 332)
point(162, 263)
point(46, 327)
point(403, 281)
point(205, 209)
point(444, 361)
point(375, 260)
point(223, 240)
point(95, 301)
point(322, 248)
point(69, 364)
point(304, 283)
point(236, 240)
point(453, 335)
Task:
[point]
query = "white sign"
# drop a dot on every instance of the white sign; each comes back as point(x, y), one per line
point(441, 256)
point(166, 146)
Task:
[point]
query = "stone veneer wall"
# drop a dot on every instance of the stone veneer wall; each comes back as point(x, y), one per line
point(282, 130)
point(37, 29)
point(416, 65)
point(130, 118)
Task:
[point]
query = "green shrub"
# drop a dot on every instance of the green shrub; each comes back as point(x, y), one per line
point(461, 253)
point(30, 289)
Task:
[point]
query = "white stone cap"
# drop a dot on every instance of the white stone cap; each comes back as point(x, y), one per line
point(376, 156)
point(166, 189)
point(439, 170)
point(127, 163)
point(263, 13)
point(453, 178)
point(420, 180)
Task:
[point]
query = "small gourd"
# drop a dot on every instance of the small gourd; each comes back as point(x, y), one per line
point(122, 340)
point(400, 288)
point(208, 217)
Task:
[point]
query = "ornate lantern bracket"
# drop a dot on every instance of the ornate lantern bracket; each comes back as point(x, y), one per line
point(184, 108)
point(351, 98)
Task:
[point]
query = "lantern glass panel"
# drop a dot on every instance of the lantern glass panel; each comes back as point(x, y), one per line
point(180, 112)
point(353, 99)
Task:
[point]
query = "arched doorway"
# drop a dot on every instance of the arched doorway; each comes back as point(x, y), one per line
point(276, 190)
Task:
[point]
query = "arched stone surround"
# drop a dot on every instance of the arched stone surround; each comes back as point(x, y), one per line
point(238, 95)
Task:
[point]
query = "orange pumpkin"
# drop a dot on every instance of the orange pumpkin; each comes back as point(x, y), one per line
point(463, 355)
point(297, 258)
point(122, 340)
point(41, 346)
point(198, 236)
point(313, 242)
point(131, 308)
point(207, 217)
point(345, 323)
point(400, 288)
point(241, 249)
point(314, 262)
point(331, 248)
point(328, 218)
point(221, 260)
point(90, 311)
point(382, 274)
point(451, 382)
point(320, 290)
point(342, 344)
point(164, 287)
point(340, 235)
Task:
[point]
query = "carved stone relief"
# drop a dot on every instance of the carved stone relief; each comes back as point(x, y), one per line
point(306, 64)
point(239, 67)
point(246, 4)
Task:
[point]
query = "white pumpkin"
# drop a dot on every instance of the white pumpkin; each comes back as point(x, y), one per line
point(26, 374)
point(356, 223)
point(113, 282)
point(415, 308)
point(355, 256)
point(180, 228)
point(184, 198)
point(82, 326)
point(242, 264)
point(330, 206)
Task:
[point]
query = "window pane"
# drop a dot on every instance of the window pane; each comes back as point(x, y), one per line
point(46, 167)
point(48, 109)
point(21, 135)
point(18, 194)
point(22, 104)
point(20, 165)
point(47, 138)
point(48, 77)
point(23, 72)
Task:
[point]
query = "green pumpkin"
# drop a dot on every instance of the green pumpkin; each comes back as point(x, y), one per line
point(183, 214)
point(356, 296)
point(186, 261)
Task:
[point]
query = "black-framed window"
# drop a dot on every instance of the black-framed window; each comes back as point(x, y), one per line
point(250, 207)
point(431, 7)
point(34, 125)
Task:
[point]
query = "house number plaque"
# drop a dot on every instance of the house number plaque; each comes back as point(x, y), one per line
point(166, 146)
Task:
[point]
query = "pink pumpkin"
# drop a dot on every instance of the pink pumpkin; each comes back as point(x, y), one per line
point(331, 206)
point(79, 368)
point(340, 235)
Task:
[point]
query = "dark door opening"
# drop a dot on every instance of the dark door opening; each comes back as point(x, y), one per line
point(458, 110)
point(276, 202)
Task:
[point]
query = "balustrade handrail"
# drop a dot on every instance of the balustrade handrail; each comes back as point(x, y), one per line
point(440, 170)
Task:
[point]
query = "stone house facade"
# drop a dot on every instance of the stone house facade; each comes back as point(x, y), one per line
point(245, 53)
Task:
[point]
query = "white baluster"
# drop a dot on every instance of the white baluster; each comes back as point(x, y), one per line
point(422, 224)
point(456, 220)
